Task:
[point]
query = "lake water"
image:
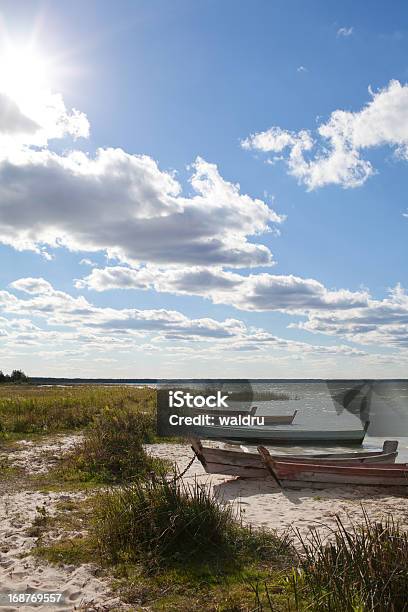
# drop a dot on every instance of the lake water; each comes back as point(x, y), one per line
point(336, 405)
point(321, 406)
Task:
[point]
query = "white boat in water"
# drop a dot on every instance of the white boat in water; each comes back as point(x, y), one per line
point(280, 435)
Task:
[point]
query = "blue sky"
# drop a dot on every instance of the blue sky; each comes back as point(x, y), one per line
point(245, 214)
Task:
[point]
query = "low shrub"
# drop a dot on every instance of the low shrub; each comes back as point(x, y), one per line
point(112, 449)
point(163, 520)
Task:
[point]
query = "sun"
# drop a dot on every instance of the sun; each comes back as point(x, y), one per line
point(23, 72)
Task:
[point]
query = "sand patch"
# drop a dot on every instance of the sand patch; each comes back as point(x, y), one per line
point(83, 586)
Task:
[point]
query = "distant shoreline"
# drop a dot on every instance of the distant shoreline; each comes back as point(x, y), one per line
point(50, 380)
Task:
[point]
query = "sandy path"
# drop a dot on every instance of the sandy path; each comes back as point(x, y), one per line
point(81, 586)
point(264, 505)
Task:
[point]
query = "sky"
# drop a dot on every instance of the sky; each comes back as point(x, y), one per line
point(204, 189)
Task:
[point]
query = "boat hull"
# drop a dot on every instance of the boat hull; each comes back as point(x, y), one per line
point(281, 436)
point(321, 475)
point(250, 465)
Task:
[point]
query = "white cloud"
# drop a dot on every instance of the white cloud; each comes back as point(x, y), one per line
point(379, 322)
point(119, 203)
point(33, 286)
point(354, 316)
point(75, 320)
point(345, 32)
point(12, 120)
point(36, 119)
point(333, 155)
point(126, 206)
point(60, 308)
point(257, 292)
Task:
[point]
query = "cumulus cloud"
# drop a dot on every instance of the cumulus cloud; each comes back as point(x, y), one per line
point(120, 203)
point(126, 206)
point(33, 286)
point(380, 322)
point(75, 319)
point(353, 316)
point(258, 292)
point(12, 120)
point(35, 120)
point(60, 308)
point(333, 154)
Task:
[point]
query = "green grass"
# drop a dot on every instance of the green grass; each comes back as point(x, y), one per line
point(74, 551)
point(163, 521)
point(112, 450)
point(201, 589)
point(41, 410)
point(206, 561)
point(364, 569)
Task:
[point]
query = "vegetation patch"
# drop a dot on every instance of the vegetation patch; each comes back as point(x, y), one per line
point(30, 409)
point(113, 448)
point(163, 521)
point(72, 551)
point(364, 569)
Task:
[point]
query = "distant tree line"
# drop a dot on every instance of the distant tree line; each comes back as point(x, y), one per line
point(17, 376)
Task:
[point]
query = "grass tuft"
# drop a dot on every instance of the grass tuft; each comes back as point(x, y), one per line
point(112, 450)
point(159, 521)
point(364, 569)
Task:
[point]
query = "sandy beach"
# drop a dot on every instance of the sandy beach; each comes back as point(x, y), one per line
point(262, 504)
point(82, 587)
point(86, 587)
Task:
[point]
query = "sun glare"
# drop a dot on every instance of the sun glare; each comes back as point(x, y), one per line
point(23, 72)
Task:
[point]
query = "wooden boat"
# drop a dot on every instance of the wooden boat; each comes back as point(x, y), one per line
point(279, 419)
point(277, 435)
point(268, 419)
point(250, 465)
point(295, 475)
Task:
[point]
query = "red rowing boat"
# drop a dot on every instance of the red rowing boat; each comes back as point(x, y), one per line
point(289, 474)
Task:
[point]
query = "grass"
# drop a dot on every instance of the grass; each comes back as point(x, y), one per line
point(117, 422)
point(74, 551)
point(171, 546)
point(30, 409)
point(112, 450)
point(163, 521)
point(364, 569)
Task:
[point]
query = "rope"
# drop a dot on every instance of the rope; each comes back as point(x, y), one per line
point(186, 469)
